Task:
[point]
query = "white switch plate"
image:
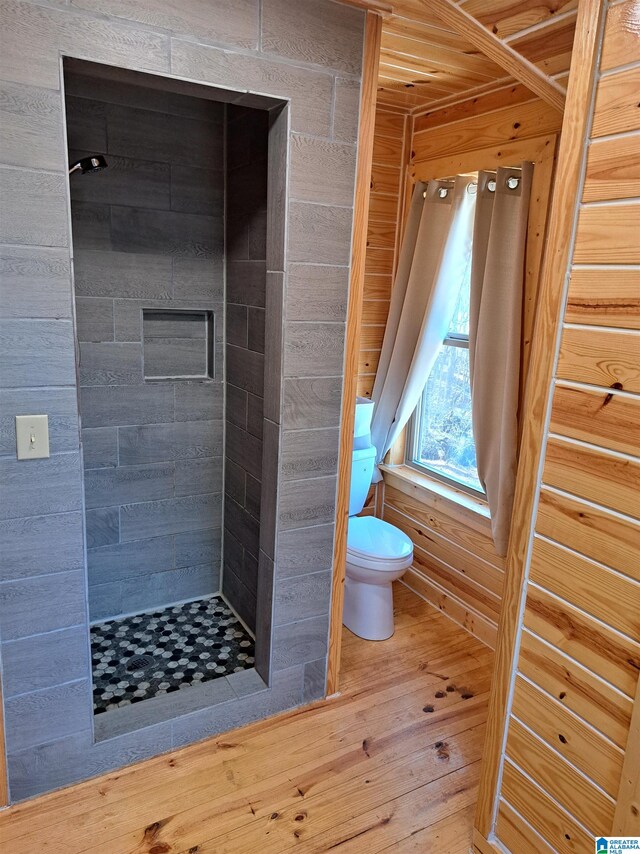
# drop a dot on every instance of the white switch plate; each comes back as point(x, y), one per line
point(32, 436)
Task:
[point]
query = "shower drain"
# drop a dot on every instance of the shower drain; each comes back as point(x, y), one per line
point(139, 662)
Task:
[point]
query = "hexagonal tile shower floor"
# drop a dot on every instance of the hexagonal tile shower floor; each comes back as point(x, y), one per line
point(155, 653)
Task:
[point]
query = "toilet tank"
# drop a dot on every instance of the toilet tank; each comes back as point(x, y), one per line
point(362, 463)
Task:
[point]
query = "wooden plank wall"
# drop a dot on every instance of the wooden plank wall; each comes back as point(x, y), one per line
point(579, 656)
point(390, 155)
point(456, 567)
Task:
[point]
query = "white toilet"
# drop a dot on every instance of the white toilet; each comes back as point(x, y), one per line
point(377, 554)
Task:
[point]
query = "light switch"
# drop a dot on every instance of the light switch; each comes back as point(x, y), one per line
point(32, 436)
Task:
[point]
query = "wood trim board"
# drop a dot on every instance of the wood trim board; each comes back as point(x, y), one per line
point(562, 223)
point(373, 32)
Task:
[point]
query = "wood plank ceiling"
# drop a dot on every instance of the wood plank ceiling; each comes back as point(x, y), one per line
point(424, 64)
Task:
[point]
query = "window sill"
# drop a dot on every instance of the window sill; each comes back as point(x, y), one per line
point(434, 487)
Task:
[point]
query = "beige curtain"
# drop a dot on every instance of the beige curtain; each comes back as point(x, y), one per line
point(435, 255)
point(495, 328)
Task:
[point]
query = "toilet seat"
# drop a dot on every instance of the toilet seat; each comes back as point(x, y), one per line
point(375, 544)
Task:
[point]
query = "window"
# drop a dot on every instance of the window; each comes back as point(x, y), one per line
point(440, 434)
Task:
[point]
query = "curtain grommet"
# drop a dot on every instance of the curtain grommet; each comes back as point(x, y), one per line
point(512, 182)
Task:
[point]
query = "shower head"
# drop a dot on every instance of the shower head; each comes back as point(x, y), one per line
point(93, 163)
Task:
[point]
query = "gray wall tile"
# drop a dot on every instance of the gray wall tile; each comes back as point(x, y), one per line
point(305, 550)
point(42, 661)
point(165, 232)
point(274, 334)
point(103, 273)
point(102, 526)
point(122, 560)
point(128, 484)
point(277, 187)
point(171, 516)
point(34, 207)
point(313, 349)
point(100, 447)
point(309, 453)
point(299, 642)
point(234, 22)
point(198, 279)
point(302, 597)
point(245, 369)
point(300, 33)
point(94, 319)
point(42, 604)
point(345, 109)
point(317, 292)
point(110, 364)
point(50, 29)
point(269, 496)
point(40, 544)
point(322, 171)
point(91, 227)
point(242, 600)
point(236, 325)
point(196, 190)
point(156, 590)
point(319, 233)
point(246, 282)
point(86, 120)
point(198, 401)
point(310, 91)
point(264, 617)
point(173, 441)
point(244, 449)
point(36, 352)
point(198, 547)
point(175, 357)
point(105, 601)
point(315, 679)
point(31, 127)
point(35, 282)
point(307, 502)
point(107, 406)
point(60, 404)
point(127, 181)
point(46, 715)
point(312, 402)
point(193, 477)
point(38, 487)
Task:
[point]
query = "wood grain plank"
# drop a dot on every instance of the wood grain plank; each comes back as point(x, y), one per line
point(627, 818)
point(610, 596)
point(602, 418)
point(588, 473)
point(613, 657)
point(543, 813)
point(605, 297)
point(506, 17)
point(616, 107)
point(600, 357)
point(565, 786)
point(474, 623)
point(613, 169)
point(576, 688)
point(621, 44)
point(500, 99)
point(612, 540)
point(549, 48)
point(531, 119)
point(608, 234)
point(591, 753)
point(513, 831)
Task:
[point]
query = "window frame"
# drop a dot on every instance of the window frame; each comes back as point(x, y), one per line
point(452, 339)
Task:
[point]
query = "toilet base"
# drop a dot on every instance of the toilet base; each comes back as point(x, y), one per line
point(368, 609)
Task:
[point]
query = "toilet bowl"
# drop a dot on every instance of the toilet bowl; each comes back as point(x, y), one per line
point(377, 555)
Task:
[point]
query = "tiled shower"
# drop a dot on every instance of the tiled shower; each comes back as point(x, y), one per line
point(169, 249)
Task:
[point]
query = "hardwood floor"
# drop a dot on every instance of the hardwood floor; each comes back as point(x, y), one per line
point(389, 765)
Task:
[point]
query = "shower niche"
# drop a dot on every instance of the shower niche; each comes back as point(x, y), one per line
point(171, 234)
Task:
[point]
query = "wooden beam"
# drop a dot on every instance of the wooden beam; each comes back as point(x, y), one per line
point(554, 272)
point(373, 33)
point(501, 53)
